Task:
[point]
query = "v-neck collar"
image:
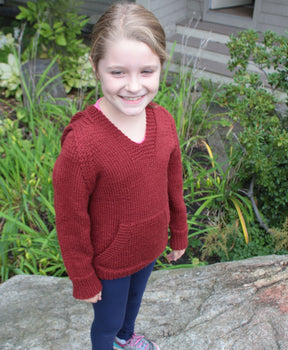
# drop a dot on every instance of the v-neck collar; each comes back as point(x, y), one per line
point(117, 134)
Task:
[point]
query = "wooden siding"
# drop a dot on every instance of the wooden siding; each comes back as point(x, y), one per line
point(169, 12)
point(87, 7)
point(92, 7)
point(268, 14)
point(195, 8)
point(273, 15)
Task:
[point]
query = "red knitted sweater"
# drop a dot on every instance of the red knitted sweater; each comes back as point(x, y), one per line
point(114, 198)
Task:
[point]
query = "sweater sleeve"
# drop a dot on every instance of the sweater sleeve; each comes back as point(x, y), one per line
point(71, 200)
point(178, 215)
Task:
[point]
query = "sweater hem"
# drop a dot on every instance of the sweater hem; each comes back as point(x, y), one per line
point(103, 273)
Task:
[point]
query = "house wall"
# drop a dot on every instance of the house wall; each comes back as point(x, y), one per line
point(195, 8)
point(87, 7)
point(15, 2)
point(92, 7)
point(268, 14)
point(167, 11)
point(273, 15)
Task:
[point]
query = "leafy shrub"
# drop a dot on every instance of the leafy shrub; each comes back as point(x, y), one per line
point(53, 30)
point(6, 44)
point(10, 80)
point(227, 244)
point(263, 144)
point(29, 146)
point(57, 28)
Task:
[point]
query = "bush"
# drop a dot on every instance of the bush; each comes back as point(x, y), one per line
point(251, 101)
point(57, 28)
point(48, 30)
point(227, 243)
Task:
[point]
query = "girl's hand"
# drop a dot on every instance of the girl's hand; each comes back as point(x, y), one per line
point(94, 299)
point(175, 255)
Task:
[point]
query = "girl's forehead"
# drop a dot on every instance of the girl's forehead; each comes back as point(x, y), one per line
point(126, 50)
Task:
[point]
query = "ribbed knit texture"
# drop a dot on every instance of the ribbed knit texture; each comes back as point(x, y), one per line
point(114, 198)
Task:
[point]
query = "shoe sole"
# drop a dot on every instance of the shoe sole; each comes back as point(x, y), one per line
point(117, 347)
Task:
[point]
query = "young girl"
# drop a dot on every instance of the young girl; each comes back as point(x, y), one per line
point(118, 179)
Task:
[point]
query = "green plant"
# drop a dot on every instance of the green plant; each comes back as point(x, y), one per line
point(81, 76)
point(57, 24)
point(57, 28)
point(6, 44)
point(219, 193)
point(10, 80)
point(263, 143)
point(28, 151)
point(190, 101)
point(269, 52)
point(227, 244)
point(29, 146)
point(280, 238)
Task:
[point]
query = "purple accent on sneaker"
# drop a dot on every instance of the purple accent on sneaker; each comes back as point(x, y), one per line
point(137, 342)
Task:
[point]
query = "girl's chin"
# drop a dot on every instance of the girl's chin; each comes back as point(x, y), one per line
point(132, 112)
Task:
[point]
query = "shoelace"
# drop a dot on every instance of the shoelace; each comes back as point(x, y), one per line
point(136, 340)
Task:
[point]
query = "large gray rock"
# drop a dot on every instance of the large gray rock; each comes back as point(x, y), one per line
point(239, 305)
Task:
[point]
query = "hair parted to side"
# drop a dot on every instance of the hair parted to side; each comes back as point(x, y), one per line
point(130, 21)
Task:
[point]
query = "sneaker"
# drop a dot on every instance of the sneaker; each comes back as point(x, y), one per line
point(137, 342)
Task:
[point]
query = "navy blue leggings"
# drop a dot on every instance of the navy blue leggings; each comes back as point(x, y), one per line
point(116, 313)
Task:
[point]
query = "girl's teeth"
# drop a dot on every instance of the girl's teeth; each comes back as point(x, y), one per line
point(131, 98)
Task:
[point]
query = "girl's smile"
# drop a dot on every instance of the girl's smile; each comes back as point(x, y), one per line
point(129, 74)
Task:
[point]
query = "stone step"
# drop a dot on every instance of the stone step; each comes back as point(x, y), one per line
point(200, 54)
point(203, 47)
point(219, 32)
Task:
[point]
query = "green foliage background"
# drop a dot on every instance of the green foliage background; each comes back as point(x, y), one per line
point(222, 210)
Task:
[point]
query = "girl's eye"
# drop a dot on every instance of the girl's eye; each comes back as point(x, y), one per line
point(117, 73)
point(147, 72)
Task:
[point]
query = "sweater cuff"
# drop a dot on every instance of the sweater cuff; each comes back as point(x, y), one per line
point(86, 288)
point(178, 240)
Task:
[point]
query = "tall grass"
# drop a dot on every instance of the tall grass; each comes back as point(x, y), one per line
point(29, 146)
point(190, 100)
point(28, 237)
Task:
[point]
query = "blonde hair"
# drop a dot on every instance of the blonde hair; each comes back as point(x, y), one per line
point(127, 21)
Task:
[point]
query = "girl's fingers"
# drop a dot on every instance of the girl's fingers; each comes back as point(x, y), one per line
point(94, 299)
point(175, 255)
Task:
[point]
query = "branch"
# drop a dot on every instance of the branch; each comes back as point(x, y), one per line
point(250, 196)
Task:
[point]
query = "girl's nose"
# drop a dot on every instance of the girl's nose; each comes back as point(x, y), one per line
point(133, 84)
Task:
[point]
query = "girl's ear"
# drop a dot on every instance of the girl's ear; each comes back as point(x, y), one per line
point(93, 66)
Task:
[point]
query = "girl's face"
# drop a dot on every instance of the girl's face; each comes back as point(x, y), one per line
point(129, 74)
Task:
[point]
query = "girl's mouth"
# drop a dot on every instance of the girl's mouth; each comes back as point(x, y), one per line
point(132, 98)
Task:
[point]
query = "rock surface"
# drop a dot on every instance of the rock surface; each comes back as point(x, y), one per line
point(239, 305)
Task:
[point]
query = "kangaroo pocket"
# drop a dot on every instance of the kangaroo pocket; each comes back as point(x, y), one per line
point(136, 242)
